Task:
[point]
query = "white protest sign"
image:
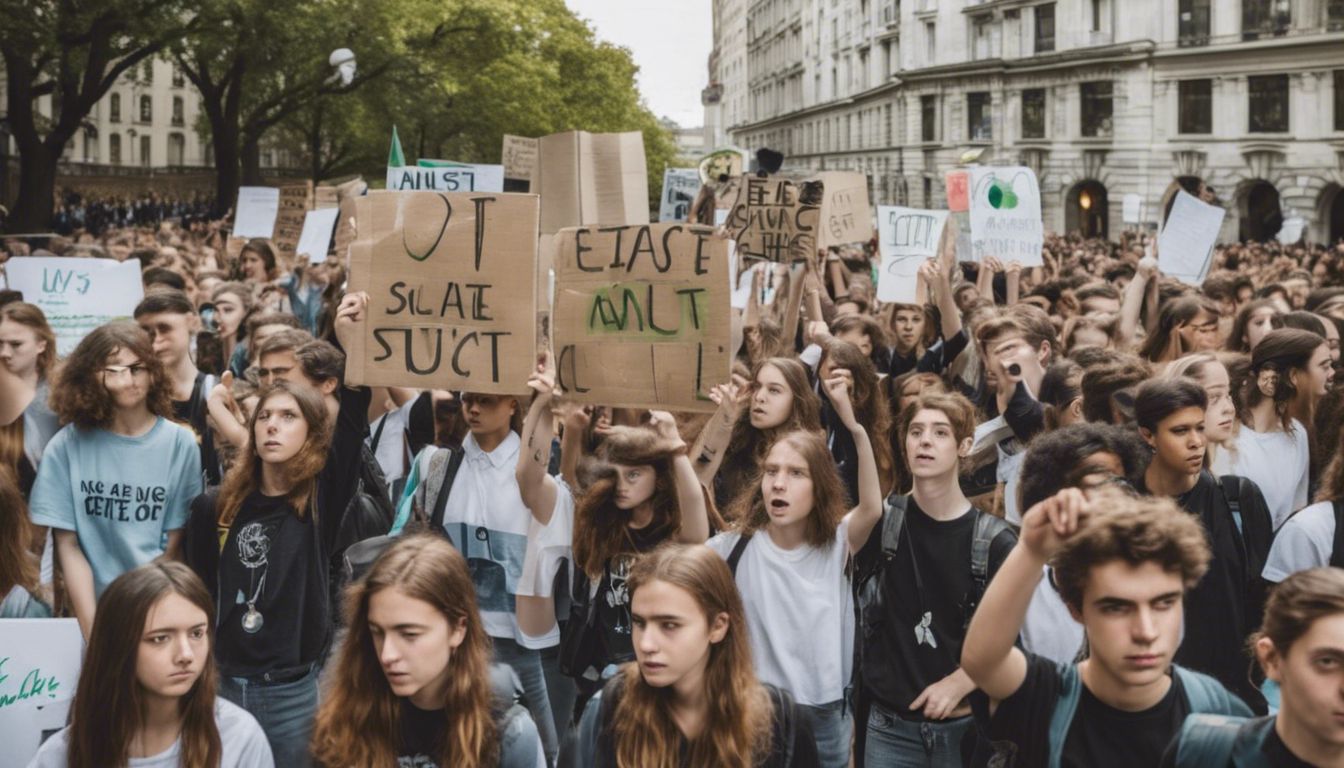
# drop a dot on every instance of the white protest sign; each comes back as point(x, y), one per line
point(77, 295)
point(1006, 220)
point(447, 178)
point(906, 237)
point(254, 215)
point(39, 671)
point(680, 186)
point(1185, 247)
point(1291, 231)
point(1133, 209)
point(317, 229)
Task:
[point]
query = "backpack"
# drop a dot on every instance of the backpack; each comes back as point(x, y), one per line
point(1204, 695)
point(1218, 741)
point(506, 707)
point(369, 511)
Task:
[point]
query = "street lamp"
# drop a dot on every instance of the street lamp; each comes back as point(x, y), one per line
point(1085, 200)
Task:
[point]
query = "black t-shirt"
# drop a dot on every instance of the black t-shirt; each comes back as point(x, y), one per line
point(192, 412)
point(420, 738)
point(1100, 736)
point(1278, 754)
point(613, 597)
point(916, 641)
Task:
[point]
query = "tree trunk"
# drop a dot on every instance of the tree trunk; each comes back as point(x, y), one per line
point(37, 187)
point(315, 144)
point(226, 169)
point(251, 153)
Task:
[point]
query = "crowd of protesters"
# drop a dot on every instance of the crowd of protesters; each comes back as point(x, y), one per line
point(77, 213)
point(1079, 514)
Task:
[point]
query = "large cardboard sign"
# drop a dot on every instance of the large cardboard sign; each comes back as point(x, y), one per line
point(254, 214)
point(458, 177)
point(1185, 247)
point(641, 315)
point(591, 178)
point(77, 295)
point(680, 186)
point(775, 218)
point(906, 237)
point(39, 672)
point(519, 158)
point(295, 201)
point(1006, 219)
point(846, 216)
point(452, 290)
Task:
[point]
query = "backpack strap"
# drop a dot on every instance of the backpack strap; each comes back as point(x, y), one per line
point(987, 528)
point(1207, 740)
point(1337, 551)
point(1231, 487)
point(1071, 690)
point(785, 724)
point(893, 523)
point(1206, 695)
point(736, 555)
point(449, 474)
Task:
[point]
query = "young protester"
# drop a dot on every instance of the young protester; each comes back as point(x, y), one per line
point(27, 352)
point(1253, 321)
point(1312, 537)
point(146, 693)
point(917, 580)
point(21, 594)
point(791, 543)
point(691, 697)
point(411, 683)
point(116, 481)
point(233, 304)
point(1184, 324)
point(171, 321)
point(840, 358)
point(1124, 566)
point(256, 262)
point(1220, 417)
point(1301, 648)
point(1290, 370)
point(1226, 606)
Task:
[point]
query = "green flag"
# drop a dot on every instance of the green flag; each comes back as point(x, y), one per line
point(395, 159)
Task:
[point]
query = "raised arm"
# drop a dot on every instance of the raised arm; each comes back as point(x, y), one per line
point(225, 416)
point(949, 316)
point(1013, 282)
point(690, 496)
point(863, 517)
point(710, 446)
point(535, 485)
point(1131, 304)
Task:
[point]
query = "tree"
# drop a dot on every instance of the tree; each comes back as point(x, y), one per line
point(70, 53)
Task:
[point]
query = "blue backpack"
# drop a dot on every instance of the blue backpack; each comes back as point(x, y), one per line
point(1218, 741)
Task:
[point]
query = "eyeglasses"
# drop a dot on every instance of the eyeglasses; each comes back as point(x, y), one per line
point(117, 371)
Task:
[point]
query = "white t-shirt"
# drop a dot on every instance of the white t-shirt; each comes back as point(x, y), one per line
point(243, 745)
point(1305, 541)
point(1049, 630)
point(1278, 462)
point(799, 611)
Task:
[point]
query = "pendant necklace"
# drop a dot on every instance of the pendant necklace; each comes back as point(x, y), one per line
point(252, 620)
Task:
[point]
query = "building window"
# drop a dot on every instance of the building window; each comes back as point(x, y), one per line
point(979, 118)
point(1265, 18)
point(1269, 103)
point(177, 149)
point(930, 42)
point(928, 118)
point(146, 109)
point(178, 119)
point(1339, 99)
point(144, 151)
point(179, 79)
point(1196, 106)
point(1033, 113)
point(1096, 15)
point(1194, 22)
point(114, 148)
point(1045, 28)
point(1334, 15)
point(149, 72)
point(114, 108)
point(1097, 108)
point(980, 38)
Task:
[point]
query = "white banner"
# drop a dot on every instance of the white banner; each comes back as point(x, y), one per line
point(680, 186)
point(39, 671)
point(254, 215)
point(77, 295)
point(1006, 215)
point(447, 178)
point(317, 229)
point(906, 237)
point(1185, 247)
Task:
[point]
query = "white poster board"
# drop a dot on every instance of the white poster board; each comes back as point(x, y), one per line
point(39, 671)
point(317, 228)
point(680, 186)
point(1006, 223)
point(77, 295)
point(1133, 209)
point(447, 178)
point(906, 238)
point(254, 215)
point(1185, 247)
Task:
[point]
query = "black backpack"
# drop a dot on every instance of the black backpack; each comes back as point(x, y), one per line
point(369, 512)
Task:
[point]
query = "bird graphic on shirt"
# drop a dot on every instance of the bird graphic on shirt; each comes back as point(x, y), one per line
point(924, 632)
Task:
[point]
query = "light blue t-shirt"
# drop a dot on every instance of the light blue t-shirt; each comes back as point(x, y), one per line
point(121, 495)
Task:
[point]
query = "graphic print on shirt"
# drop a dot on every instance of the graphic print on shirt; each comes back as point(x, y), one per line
point(495, 558)
point(924, 631)
point(123, 502)
point(618, 596)
point(254, 545)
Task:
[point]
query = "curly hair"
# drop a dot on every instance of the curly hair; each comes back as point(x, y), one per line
point(1137, 530)
point(830, 501)
point(78, 395)
point(1053, 461)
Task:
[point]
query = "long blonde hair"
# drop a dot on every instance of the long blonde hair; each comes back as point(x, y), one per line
point(357, 724)
point(738, 723)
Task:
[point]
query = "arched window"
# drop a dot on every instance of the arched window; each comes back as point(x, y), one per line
point(177, 110)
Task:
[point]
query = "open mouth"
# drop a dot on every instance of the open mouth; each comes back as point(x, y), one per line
point(780, 504)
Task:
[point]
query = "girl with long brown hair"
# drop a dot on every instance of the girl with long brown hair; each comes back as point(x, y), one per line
point(692, 696)
point(115, 482)
point(146, 692)
point(1184, 324)
point(870, 406)
point(20, 588)
point(412, 682)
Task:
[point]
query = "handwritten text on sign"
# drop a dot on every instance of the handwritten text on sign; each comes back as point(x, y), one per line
point(907, 237)
point(447, 178)
point(845, 214)
point(641, 315)
point(1006, 215)
point(452, 290)
point(39, 671)
point(775, 219)
point(77, 295)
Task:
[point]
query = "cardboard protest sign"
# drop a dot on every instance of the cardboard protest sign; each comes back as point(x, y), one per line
point(295, 201)
point(775, 218)
point(1133, 209)
point(326, 197)
point(519, 158)
point(906, 237)
point(452, 290)
point(77, 295)
point(680, 186)
point(254, 215)
point(845, 213)
point(591, 178)
point(641, 315)
point(317, 229)
point(1185, 247)
point(39, 672)
point(1006, 215)
point(447, 178)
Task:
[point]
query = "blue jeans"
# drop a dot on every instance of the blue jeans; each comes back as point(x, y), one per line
point(929, 744)
point(526, 663)
point(832, 725)
point(285, 711)
point(560, 689)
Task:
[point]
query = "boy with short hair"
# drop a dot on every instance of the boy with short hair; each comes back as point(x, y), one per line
point(1123, 566)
